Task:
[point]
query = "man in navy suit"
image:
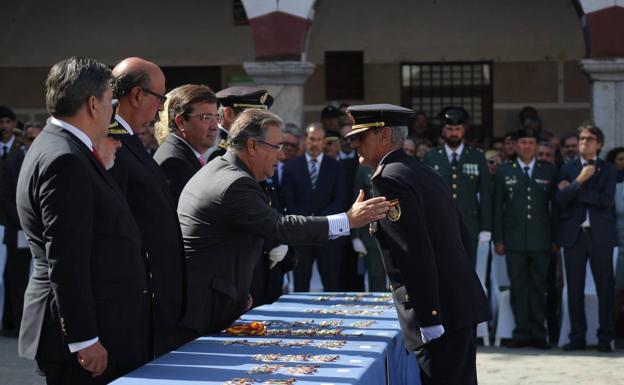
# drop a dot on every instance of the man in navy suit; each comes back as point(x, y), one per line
point(313, 184)
point(192, 113)
point(587, 231)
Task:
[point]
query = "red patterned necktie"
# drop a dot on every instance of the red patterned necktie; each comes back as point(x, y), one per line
point(97, 156)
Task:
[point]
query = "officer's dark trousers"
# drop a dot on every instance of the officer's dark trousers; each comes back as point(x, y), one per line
point(450, 359)
point(328, 259)
point(528, 271)
point(601, 263)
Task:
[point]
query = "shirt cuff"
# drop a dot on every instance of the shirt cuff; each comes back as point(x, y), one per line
point(76, 346)
point(338, 225)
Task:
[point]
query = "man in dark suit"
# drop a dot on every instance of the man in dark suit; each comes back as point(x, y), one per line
point(140, 86)
point(313, 184)
point(225, 219)
point(193, 124)
point(15, 275)
point(233, 101)
point(426, 250)
point(587, 231)
point(86, 309)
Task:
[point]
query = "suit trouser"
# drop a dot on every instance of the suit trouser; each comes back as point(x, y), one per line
point(450, 359)
point(601, 262)
point(328, 259)
point(71, 373)
point(15, 282)
point(528, 272)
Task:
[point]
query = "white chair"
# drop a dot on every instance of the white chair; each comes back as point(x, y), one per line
point(591, 305)
point(505, 322)
point(2, 266)
point(481, 269)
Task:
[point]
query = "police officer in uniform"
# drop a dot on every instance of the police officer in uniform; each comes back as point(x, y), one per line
point(425, 248)
point(524, 229)
point(233, 101)
point(465, 170)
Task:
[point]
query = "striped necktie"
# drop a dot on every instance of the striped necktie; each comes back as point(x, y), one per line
point(313, 173)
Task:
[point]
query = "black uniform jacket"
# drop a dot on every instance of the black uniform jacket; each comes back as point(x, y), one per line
point(178, 162)
point(426, 250)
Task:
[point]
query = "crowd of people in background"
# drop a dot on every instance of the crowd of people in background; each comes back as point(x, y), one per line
point(530, 193)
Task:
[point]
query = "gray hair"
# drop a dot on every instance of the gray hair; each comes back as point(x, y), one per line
point(399, 134)
point(72, 81)
point(251, 124)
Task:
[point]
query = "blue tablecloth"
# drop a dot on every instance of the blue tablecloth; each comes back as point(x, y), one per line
point(372, 354)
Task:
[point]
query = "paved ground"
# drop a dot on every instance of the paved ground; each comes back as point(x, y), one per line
point(496, 366)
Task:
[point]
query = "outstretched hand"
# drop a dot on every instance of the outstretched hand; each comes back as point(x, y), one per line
point(364, 212)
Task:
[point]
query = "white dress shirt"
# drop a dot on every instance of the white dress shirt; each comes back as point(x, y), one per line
point(6, 147)
point(530, 166)
point(450, 151)
point(124, 124)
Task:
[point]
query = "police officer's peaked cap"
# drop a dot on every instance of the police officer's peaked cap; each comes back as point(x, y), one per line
point(526, 133)
point(370, 116)
point(454, 116)
point(115, 129)
point(330, 112)
point(245, 97)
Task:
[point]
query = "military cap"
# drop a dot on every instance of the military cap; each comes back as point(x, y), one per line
point(454, 116)
point(114, 128)
point(526, 133)
point(367, 116)
point(330, 112)
point(6, 112)
point(245, 97)
point(331, 136)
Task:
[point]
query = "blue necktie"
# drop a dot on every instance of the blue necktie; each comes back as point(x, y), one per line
point(313, 173)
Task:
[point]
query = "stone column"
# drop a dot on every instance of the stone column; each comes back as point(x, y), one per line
point(284, 80)
point(607, 88)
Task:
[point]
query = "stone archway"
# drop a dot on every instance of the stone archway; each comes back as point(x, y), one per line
point(603, 26)
point(279, 30)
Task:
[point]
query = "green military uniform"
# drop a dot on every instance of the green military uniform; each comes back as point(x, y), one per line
point(470, 186)
point(523, 222)
point(372, 259)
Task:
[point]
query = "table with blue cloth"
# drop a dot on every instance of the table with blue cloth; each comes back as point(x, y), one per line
point(337, 338)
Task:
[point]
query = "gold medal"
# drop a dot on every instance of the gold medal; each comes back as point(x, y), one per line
point(394, 214)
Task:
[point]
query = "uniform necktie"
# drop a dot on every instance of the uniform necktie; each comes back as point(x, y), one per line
point(5, 151)
point(313, 173)
point(454, 160)
point(97, 156)
point(201, 160)
point(526, 171)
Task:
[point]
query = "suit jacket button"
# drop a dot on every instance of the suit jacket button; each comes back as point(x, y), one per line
point(434, 313)
point(407, 297)
point(529, 216)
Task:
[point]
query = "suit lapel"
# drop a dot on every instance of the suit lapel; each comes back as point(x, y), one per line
point(133, 144)
point(188, 153)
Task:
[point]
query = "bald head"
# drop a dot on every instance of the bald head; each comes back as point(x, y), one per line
point(140, 88)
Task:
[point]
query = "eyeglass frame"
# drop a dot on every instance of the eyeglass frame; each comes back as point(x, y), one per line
point(162, 98)
point(276, 147)
point(201, 116)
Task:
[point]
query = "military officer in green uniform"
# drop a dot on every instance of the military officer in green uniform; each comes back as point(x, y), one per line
point(465, 170)
point(233, 101)
point(362, 241)
point(524, 231)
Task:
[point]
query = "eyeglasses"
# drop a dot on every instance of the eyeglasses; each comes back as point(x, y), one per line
point(204, 117)
point(162, 98)
point(276, 147)
point(289, 144)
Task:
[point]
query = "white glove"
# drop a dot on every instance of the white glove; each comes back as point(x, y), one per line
point(277, 253)
point(358, 246)
point(485, 236)
point(430, 333)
